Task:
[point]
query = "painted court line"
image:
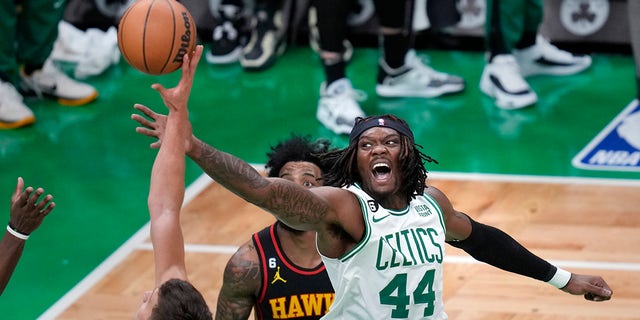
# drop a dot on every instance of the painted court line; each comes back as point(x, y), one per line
point(138, 240)
point(454, 259)
point(197, 248)
point(116, 258)
point(577, 264)
point(532, 179)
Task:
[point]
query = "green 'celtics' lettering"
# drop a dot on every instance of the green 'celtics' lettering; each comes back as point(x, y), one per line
point(409, 247)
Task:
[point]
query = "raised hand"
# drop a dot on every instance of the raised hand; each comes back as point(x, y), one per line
point(27, 209)
point(152, 126)
point(176, 98)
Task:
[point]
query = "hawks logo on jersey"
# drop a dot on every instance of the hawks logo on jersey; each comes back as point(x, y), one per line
point(300, 306)
point(289, 291)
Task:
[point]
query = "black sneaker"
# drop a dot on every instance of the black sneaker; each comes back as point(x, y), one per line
point(267, 42)
point(226, 46)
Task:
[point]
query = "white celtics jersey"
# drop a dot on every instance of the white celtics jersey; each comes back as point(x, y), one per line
point(395, 272)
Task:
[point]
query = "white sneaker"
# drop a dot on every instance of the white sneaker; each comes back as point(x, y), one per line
point(415, 79)
point(545, 58)
point(51, 82)
point(338, 106)
point(13, 112)
point(501, 79)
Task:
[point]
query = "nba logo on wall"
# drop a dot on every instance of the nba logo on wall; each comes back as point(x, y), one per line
point(617, 147)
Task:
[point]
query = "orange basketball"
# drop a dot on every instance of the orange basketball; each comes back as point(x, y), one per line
point(154, 35)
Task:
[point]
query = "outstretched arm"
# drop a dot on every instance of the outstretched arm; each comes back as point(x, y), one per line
point(495, 247)
point(27, 213)
point(300, 207)
point(295, 205)
point(166, 191)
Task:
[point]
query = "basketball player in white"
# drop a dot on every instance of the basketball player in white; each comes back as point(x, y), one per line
point(381, 230)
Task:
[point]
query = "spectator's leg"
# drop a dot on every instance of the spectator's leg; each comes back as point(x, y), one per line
point(8, 25)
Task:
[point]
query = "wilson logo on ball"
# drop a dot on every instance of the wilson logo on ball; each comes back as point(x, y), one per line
point(185, 44)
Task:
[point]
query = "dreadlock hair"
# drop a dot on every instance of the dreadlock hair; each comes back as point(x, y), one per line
point(343, 164)
point(179, 300)
point(296, 148)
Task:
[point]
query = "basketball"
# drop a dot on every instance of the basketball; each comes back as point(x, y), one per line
point(154, 35)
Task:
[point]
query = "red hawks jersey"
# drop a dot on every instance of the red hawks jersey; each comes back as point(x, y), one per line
point(288, 291)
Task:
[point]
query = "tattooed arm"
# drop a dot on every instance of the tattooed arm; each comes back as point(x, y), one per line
point(289, 202)
point(241, 284)
point(300, 207)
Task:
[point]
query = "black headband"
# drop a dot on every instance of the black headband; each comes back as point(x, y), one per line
point(363, 126)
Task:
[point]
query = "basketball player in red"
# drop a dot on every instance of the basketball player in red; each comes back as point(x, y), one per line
point(278, 273)
point(292, 282)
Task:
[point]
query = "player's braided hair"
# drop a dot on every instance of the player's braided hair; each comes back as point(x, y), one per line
point(343, 166)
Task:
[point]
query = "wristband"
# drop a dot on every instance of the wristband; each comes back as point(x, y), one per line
point(560, 279)
point(17, 234)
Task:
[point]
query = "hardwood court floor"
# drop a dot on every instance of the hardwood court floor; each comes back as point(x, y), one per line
point(97, 167)
point(586, 228)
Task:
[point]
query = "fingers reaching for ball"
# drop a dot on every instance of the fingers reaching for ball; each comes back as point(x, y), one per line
point(154, 35)
point(190, 64)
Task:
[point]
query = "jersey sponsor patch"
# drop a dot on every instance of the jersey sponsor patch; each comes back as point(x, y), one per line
point(617, 146)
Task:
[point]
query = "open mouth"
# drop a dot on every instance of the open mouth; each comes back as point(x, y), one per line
point(381, 171)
